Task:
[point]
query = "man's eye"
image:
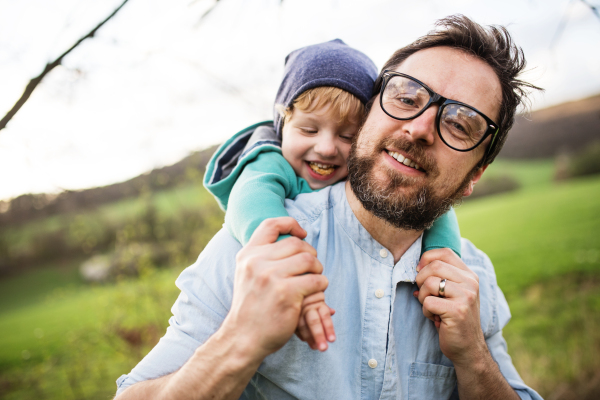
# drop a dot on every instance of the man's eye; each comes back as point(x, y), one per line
point(408, 101)
point(459, 127)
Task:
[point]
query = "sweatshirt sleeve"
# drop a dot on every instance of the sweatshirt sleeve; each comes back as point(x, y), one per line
point(260, 192)
point(443, 234)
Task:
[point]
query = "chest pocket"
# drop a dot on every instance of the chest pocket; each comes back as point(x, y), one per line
point(430, 381)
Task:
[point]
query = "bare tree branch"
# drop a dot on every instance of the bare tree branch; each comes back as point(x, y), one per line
point(33, 83)
point(208, 11)
point(561, 26)
point(592, 7)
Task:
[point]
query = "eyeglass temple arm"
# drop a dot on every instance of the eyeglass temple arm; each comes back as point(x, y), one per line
point(489, 149)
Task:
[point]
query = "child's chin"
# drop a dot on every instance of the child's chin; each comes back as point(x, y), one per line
point(317, 184)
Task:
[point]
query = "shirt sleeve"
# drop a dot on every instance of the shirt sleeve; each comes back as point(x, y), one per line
point(443, 234)
point(495, 315)
point(497, 346)
point(260, 192)
point(495, 341)
point(206, 293)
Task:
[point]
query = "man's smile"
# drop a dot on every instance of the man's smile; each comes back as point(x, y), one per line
point(405, 160)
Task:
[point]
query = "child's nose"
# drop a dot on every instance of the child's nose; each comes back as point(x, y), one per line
point(326, 148)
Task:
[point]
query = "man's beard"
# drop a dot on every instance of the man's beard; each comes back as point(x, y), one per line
point(416, 211)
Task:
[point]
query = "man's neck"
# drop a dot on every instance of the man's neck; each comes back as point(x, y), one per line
point(394, 239)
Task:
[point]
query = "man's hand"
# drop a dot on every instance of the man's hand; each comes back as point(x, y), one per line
point(315, 325)
point(456, 316)
point(271, 282)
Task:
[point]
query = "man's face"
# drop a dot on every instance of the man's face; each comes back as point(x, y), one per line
point(382, 178)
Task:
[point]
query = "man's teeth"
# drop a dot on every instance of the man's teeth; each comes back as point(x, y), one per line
point(404, 160)
point(321, 169)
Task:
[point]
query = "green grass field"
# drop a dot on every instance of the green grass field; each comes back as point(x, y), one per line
point(63, 339)
point(544, 244)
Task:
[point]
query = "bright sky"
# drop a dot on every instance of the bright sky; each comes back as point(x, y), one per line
point(155, 84)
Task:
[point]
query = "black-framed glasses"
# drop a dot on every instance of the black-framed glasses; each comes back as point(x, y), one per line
point(460, 126)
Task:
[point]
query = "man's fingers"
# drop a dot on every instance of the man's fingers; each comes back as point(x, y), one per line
point(298, 264)
point(435, 307)
point(444, 270)
point(445, 255)
point(313, 320)
point(270, 229)
point(431, 287)
point(308, 284)
point(289, 247)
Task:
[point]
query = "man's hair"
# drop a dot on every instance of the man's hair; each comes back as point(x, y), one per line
point(494, 46)
point(347, 106)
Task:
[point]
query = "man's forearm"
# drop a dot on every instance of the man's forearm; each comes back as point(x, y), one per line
point(219, 369)
point(483, 380)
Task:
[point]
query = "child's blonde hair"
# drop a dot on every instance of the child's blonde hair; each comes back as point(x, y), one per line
point(347, 106)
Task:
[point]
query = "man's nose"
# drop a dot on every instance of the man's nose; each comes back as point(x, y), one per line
point(423, 128)
point(326, 147)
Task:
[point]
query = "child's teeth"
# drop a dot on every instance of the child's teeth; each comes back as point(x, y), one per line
point(321, 169)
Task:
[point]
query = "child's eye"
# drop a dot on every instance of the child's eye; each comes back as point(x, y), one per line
point(347, 138)
point(309, 131)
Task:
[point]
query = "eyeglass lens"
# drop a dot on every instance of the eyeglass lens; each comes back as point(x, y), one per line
point(461, 127)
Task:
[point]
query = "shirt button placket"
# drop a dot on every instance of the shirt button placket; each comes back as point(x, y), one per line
point(376, 322)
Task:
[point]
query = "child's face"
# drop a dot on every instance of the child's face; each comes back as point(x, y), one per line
point(317, 146)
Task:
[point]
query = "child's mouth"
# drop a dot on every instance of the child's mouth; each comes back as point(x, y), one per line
point(322, 169)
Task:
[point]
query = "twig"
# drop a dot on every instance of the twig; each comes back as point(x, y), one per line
point(592, 7)
point(561, 26)
point(208, 11)
point(33, 83)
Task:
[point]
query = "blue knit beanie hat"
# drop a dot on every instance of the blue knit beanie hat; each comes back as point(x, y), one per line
point(331, 63)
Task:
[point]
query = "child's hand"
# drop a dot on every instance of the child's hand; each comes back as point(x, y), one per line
point(315, 325)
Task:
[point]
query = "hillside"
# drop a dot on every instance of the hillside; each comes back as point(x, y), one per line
point(543, 134)
point(30, 207)
point(568, 127)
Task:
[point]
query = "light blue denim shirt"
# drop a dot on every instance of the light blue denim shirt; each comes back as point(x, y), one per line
point(385, 347)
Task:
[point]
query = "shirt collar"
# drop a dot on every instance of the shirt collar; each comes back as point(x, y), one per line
point(405, 269)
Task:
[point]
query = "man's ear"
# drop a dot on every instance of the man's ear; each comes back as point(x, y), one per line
point(474, 180)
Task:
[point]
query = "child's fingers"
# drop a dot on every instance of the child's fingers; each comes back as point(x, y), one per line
point(329, 331)
point(313, 320)
point(302, 330)
point(313, 299)
point(304, 334)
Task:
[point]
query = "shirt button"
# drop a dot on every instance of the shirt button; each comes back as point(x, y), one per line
point(379, 293)
point(373, 363)
point(383, 253)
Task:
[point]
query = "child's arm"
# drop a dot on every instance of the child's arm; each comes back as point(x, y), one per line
point(443, 234)
point(259, 193)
